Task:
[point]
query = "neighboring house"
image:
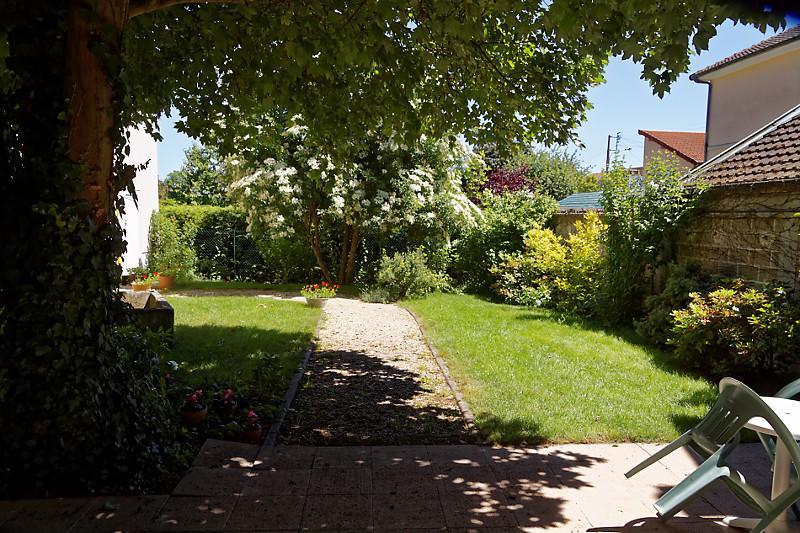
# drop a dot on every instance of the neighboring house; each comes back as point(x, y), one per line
point(687, 147)
point(136, 219)
point(573, 208)
point(750, 88)
point(748, 226)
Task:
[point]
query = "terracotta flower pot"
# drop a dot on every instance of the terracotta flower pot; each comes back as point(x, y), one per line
point(253, 435)
point(139, 287)
point(194, 418)
point(165, 282)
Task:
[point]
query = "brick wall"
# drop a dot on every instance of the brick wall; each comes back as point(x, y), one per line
point(747, 231)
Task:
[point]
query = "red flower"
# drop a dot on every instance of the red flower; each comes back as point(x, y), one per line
point(324, 283)
point(252, 414)
point(337, 286)
point(316, 286)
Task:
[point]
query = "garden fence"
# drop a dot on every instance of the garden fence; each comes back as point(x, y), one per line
point(228, 253)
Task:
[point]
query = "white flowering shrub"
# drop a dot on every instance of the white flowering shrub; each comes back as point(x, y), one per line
point(386, 187)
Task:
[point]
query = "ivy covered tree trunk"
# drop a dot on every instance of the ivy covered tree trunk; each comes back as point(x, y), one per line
point(82, 405)
point(90, 144)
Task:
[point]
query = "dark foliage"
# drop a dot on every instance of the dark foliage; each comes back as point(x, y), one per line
point(504, 180)
point(83, 405)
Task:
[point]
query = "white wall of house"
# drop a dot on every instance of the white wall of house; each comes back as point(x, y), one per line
point(136, 219)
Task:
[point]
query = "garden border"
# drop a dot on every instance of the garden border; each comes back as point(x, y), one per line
point(271, 439)
point(463, 406)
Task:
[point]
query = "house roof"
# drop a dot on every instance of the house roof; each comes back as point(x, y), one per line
point(771, 154)
point(581, 202)
point(767, 44)
point(690, 145)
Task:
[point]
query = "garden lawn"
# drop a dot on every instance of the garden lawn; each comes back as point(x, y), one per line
point(220, 338)
point(530, 377)
point(222, 285)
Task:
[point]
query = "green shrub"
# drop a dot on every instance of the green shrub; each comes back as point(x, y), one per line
point(554, 272)
point(406, 275)
point(738, 328)
point(507, 218)
point(222, 248)
point(682, 279)
point(376, 295)
point(556, 173)
point(642, 217)
point(169, 253)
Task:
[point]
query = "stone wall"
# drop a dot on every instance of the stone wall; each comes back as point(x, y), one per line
point(749, 231)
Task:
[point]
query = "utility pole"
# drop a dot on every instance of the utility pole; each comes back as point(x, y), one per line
point(617, 138)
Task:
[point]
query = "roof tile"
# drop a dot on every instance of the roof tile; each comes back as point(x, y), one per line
point(689, 144)
point(776, 40)
point(773, 157)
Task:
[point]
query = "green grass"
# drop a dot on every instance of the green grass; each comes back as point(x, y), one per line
point(218, 339)
point(530, 377)
point(221, 285)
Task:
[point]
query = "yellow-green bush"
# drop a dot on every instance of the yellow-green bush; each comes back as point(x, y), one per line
point(555, 272)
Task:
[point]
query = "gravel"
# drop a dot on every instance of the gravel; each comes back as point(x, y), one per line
point(372, 380)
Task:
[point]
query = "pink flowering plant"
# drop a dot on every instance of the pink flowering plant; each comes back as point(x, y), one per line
point(253, 422)
point(194, 401)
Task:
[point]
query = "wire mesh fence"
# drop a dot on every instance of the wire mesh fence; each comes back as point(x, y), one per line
point(228, 253)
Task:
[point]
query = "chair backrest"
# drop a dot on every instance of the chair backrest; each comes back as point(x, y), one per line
point(736, 405)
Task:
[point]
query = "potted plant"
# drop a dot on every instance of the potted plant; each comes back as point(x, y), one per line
point(142, 279)
point(228, 403)
point(317, 293)
point(193, 410)
point(170, 253)
point(252, 430)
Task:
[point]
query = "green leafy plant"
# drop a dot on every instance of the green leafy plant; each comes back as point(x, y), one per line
point(506, 220)
point(554, 272)
point(169, 252)
point(682, 280)
point(643, 215)
point(738, 328)
point(202, 179)
point(376, 295)
point(407, 275)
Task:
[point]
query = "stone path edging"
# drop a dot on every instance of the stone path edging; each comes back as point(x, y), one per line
point(274, 430)
point(469, 416)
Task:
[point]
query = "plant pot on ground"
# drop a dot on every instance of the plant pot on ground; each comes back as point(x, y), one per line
point(252, 430)
point(142, 279)
point(166, 281)
point(193, 410)
point(315, 294)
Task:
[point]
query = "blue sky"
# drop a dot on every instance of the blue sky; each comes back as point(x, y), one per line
point(624, 103)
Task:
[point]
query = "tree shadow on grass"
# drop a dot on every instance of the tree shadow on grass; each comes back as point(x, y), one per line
point(220, 354)
point(499, 430)
point(351, 397)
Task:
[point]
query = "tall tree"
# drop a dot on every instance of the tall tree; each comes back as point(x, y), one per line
point(202, 179)
point(75, 73)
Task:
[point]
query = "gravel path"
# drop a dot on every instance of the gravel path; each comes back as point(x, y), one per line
point(372, 380)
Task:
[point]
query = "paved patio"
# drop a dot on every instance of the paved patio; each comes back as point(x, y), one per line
point(239, 487)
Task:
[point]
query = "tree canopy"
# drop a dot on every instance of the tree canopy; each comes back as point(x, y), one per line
point(504, 71)
point(202, 179)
